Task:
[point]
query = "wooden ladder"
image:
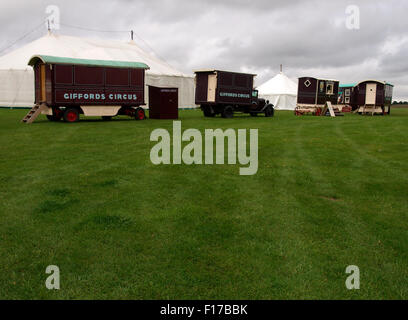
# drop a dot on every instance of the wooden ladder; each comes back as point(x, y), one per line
point(328, 108)
point(34, 113)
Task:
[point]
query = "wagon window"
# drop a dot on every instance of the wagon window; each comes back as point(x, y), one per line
point(388, 91)
point(348, 91)
point(322, 86)
point(329, 88)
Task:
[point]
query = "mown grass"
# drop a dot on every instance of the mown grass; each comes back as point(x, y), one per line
point(329, 193)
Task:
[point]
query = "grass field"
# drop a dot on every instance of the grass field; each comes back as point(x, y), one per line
point(329, 193)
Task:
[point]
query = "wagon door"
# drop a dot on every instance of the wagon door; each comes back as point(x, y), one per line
point(43, 97)
point(371, 94)
point(212, 87)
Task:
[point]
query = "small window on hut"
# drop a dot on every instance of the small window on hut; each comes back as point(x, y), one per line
point(348, 91)
point(329, 88)
point(347, 100)
point(322, 86)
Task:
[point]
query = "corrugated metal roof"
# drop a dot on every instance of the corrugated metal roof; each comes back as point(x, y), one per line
point(87, 62)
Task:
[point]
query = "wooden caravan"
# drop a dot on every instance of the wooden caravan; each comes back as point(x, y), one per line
point(346, 97)
point(66, 88)
point(346, 94)
point(314, 94)
point(373, 97)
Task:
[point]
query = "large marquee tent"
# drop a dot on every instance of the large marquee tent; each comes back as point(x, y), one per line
point(280, 91)
point(17, 78)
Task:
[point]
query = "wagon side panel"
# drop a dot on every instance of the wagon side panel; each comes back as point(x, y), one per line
point(307, 90)
point(234, 88)
point(118, 88)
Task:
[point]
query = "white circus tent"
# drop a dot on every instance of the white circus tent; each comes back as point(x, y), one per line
point(280, 91)
point(17, 78)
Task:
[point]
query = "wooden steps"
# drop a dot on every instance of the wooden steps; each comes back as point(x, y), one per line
point(34, 113)
point(331, 111)
point(336, 112)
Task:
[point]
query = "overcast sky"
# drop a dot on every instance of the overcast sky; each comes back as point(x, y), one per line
point(309, 38)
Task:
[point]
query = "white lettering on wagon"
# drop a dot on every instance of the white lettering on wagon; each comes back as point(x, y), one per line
point(100, 96)
point(234, 95)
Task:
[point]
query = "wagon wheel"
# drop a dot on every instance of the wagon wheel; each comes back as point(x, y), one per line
point(140, 114)
point(228, 112)
point(269, 112)
point(208, 112)
point(71, 115)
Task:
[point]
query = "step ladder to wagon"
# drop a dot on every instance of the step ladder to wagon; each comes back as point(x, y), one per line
point(34, 113)
point(331, 111)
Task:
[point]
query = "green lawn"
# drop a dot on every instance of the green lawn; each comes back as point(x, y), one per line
point(329, 193)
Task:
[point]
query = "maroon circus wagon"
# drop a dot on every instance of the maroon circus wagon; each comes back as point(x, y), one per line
point(314, 94)
point(373, 97)
point(65, 88)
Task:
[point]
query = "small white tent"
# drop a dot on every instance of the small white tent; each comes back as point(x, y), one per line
point(17, 78)
point(280, 91)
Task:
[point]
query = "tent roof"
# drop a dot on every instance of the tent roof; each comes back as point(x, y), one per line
point(280, 84)
point(87, 62)
point(84, 48)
